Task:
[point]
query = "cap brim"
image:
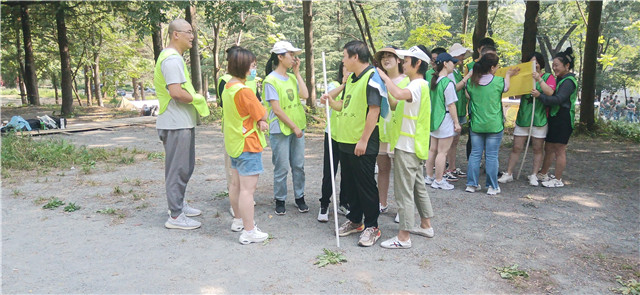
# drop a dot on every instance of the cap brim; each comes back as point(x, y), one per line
point(296, 51)
point(403, 53)
point(378, 55)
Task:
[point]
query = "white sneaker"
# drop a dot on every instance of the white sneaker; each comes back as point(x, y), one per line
point(237, 225)
point(473, 189)
point(383, 209)
point(492, 192)
point(395, 243)
point(553, 183)
point(444, 184)
point(323, 217)
point(190, 211)
point(425, 232)
point(255, 236)
point(375, 170)
point(397, 219)
point(428, 179)
point(506, 177)
point(545, 177)
point(182, 222)
point(233, 214)
point(533, 180)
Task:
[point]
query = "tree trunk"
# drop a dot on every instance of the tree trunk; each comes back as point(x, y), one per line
point(30, 79)
point(142, 94)
point(545, 54)
point(87, 85)
point(205, 85)
point(307, 19)
point(136, 94)
point(156, 38)
point(366, 27)
point(216, 58)
point(65, 61)
point(530, 29)
point(481, 25)
point(75, 91)
point(465, 17)
point(54, 82)
point(21, 86)
point(194, 54)
point(590, 61)
point(96, 73)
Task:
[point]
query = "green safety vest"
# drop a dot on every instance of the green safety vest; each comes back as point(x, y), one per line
point(572, 111)
point(199, 102)
point(234, 135)
point(353, 116)
point(429, 74)
point(470, 65)
point(422, 136)
point(289, 102)
point(486, 106)
point(253, 85)
point(385, 127)
point(438, 103)
point(526, 104)
point(461, 104)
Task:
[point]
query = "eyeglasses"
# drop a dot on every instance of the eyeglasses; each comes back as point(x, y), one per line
point(188, 32)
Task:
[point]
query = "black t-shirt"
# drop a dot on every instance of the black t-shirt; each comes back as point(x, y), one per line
point(373, 98)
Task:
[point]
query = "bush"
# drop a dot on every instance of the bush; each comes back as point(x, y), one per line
point(613, 129)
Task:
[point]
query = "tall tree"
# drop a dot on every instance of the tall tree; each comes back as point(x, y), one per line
point(465, 16)
point(530, 29)
point(194, 54)
point(307, 17)
point(31, 80)
point(590, 61)
point(65, 60)
point(481, 25)
point(97, 85)
point(21, 84)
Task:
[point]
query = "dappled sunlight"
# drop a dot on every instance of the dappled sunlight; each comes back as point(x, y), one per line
point(584, 201)
point(213, 290)
point(510, 214)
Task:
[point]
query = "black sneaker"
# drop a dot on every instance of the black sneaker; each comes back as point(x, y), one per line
point(280, 210)
point(302, 206)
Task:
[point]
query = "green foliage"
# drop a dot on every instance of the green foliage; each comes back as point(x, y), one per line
point(117, 191)
point(155, 155)
point(614, 129)
point(53, 203)
point(426, 35)
point(108, 211)
point(71, 207)
point(221, 195)
point(329, 257)
point(510, 272)
point(628, 287)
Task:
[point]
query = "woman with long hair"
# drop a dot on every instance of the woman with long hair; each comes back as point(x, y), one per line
point(486, 124)
point(561, 117)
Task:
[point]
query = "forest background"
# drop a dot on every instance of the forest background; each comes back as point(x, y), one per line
point(91, 51)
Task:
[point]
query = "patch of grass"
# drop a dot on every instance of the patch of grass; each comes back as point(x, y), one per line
point(108, 211)
point(628, 287)
point(612, 130)
point(117, 191)
point(53, 203)
point(424, 263)
point(16, 192)
point(71, 207)
point(155, 155)
point(215, 116)
point(127, 160)
point(329, 257)
point(138, 197)
point(142, 206)
point(269, 238)
point(510, 272)
point(221, 195)
point(86, 167)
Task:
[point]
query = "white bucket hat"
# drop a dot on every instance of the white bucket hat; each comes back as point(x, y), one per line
point(457, 49)
point(414, 51)
point(284, 47)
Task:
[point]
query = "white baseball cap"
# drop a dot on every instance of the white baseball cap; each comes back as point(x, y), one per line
point(284, 47)
point(457, 49)
point(414, 51)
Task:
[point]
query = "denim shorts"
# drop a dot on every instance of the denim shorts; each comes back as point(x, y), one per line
point(248, 163)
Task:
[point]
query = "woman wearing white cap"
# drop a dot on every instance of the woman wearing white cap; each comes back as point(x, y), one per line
point(411, 147)
point(287, 121)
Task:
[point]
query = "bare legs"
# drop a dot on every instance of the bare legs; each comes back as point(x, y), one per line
point(557, 151)
point(438, 150)
point(451, 155)
point(241, 192)
point(384, 170)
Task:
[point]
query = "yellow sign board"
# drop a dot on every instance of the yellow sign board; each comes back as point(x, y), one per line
point(522, 83)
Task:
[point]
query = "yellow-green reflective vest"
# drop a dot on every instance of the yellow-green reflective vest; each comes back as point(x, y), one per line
point(572, 111)
point(385, 127)
point(253, 85)
point(423, 131)
point(438, 104)
point(485, 106)
point(199, 102)
point(234, 135)
point(289, 102)
point(219, 88)
point(353, 116)
point(526, 104)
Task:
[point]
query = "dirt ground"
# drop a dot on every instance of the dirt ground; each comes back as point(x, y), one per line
point(575, 239)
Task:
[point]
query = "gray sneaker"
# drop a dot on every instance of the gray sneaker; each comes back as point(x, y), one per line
point(369, 236)
point(190, 211)
point(182, 222)
point(349, 227)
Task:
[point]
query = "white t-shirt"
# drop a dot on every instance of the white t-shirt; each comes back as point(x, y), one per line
point(411, 109)
point(178, 115)
point(446, 128)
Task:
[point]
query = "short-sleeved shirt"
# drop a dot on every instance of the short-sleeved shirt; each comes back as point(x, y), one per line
point(374, 98)
point(178, 115)
point(248, 104)
point(412, 109)
point(270, 93)
point(446, 127)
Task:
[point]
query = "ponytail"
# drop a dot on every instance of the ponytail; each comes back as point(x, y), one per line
point(434, 79)
point(483, 66)
point(273, 61)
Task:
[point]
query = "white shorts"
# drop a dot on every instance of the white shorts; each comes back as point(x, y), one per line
point(536, 132)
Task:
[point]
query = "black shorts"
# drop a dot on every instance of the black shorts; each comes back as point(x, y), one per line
point(559, 127)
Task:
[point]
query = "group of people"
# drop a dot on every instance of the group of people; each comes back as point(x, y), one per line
point(612, 108)
point(406, 113)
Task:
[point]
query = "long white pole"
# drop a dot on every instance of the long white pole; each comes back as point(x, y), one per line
point(333, 176)
point(533, 112)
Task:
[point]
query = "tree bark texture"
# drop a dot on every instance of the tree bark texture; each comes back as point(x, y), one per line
point(156, 38)
point(307, 18)
point(465, 16)
point(30, 78)
point(481, 25)
point(194, 54)
point(142, 94)
point(216, 58)
point(590, 61)
point(530, 29)
point(134, 83)
point(21, 86)
point(65, 61)
point(543, 50)
point(366, 28)
point(54, 82)
point(87, 85)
